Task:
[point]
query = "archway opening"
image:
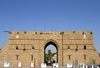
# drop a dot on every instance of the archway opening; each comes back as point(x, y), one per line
point(50, 53)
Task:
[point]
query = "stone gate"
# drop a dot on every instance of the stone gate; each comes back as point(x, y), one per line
point(28, 47)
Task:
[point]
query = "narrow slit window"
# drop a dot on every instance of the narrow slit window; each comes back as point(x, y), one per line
point(84, 47)
point(17, 57)
point(31, 57)
point(24, 48)
point(76, 48)
point(17, 36)
point(85, 57)
point(69, 57)
point(84, 36)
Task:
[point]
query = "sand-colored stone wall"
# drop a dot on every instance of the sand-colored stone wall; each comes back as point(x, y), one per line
point(28, 46)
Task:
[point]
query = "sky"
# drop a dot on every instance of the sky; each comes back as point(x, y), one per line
point(50, 15)
point(52, 48)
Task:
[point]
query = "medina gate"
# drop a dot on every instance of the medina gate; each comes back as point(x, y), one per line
point(28, 47)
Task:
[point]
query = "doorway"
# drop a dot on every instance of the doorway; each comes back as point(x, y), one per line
point(50, 53)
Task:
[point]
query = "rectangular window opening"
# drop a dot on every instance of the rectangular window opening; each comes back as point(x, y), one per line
point(84, 36)
point(76, 48)
point(17, 57)
point(69, 57)
point(85, 57)
point(31, 57)
point(84, 47)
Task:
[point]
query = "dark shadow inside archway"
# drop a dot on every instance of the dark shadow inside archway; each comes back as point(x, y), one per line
point(50, 56)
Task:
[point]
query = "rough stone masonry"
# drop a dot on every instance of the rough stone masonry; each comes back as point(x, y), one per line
point(29, 47)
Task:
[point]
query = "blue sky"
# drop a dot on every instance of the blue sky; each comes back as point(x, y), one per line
point(60, 15)
point(52, 48)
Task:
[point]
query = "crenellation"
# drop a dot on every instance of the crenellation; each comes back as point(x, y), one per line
point(66, 35)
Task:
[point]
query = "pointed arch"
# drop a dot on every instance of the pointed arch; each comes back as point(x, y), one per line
point(54, 43)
